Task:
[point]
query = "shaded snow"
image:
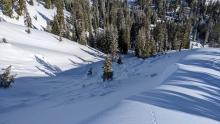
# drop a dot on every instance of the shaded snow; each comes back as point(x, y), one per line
point(189, 95)
point(171, 88)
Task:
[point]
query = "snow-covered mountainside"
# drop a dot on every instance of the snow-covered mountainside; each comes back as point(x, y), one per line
point(38, 13)
point(61, 82)
point(178, 87)
point(40, 53)
point(189, 93)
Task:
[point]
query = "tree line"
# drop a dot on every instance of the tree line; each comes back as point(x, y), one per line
point(115, 26)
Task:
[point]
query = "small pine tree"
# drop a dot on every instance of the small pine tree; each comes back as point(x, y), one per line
point(6, 78)
point(108, 71)
point(27, 20)
point(31, 2)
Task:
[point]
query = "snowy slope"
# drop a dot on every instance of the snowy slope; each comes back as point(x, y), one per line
point(40, 53)
point(190, 95)
point(39, 14)
point(52, 85)
point(173, 88)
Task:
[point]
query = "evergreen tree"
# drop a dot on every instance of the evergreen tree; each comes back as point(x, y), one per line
point(27, 20)
point(47, 4)
point(124, 26)
point(108, 71)
point(180, 37)
point(171, 32)
point(114, 42)
point(58, 24)
point(143, 3)
point(152, 47)
point(60, 16)
point(95, 16)
point(31, 2)
point(142, 44)
point(107, 42)
point(21, 6)
point(187, 29)
point(210, 24)
point(81, 20)
point(161, 8)
point(124, 40)
point(55, 26)
point(154, 18)
point(6, 78)
point(83, 38)
point(91, 40)
point(7, 7)
point(159, 36)
point(214, 39)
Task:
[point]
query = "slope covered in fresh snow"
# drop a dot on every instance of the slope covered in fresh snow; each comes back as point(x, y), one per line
point(178, 87)
point(38, 13)
point(40, 53)
point(52, 84)
point(191, 94)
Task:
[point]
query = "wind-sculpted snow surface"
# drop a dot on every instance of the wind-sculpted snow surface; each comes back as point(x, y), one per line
point(190, 95)
point(52, 85)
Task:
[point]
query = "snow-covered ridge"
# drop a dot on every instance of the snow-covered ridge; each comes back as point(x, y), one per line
point(40, 53)
point(190, 95)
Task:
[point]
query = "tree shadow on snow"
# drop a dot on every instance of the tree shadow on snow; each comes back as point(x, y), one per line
point(43, 16)
point(98, 53)
point(48, 69)
point(199, 94)
point(30, 87)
